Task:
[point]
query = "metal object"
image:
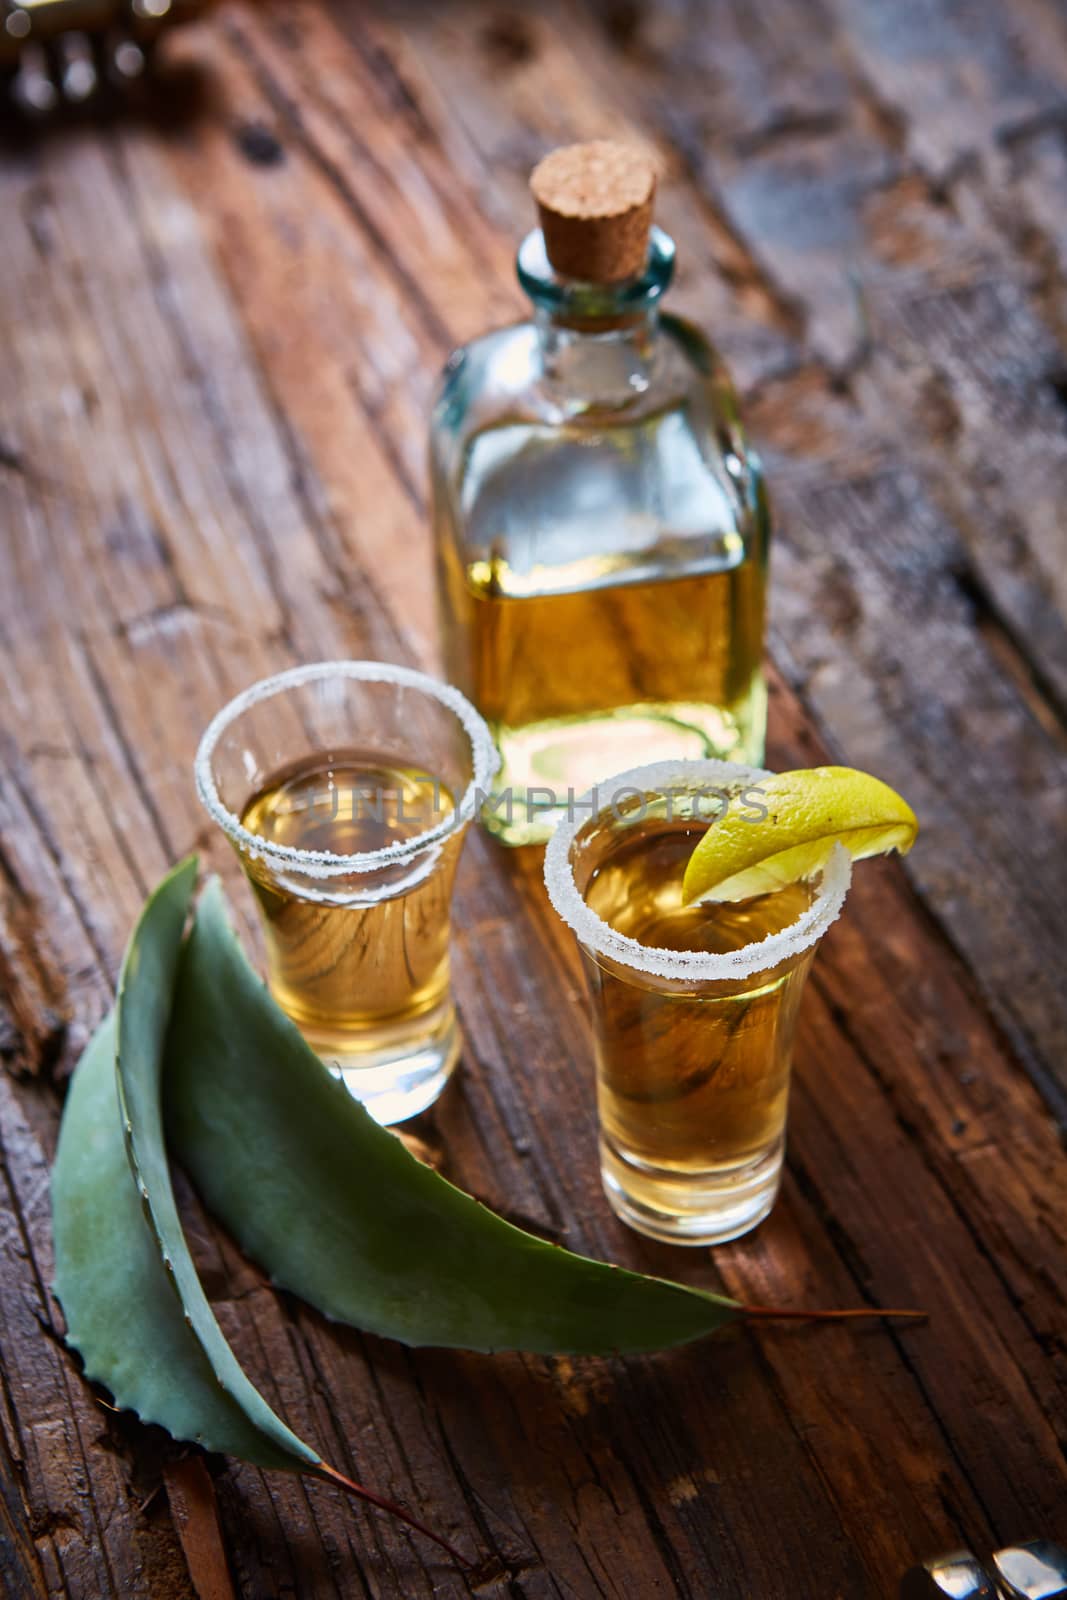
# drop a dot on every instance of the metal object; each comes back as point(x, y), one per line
point(1036, 1570)
point(959, 1575)
point(54, 51)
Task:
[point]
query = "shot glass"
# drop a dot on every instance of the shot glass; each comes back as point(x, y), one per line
point(694, 1008)
point(346, 788)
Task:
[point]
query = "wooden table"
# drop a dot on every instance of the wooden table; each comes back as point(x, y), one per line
point(221, 324)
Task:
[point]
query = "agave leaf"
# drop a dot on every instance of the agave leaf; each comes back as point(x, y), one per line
point(134, 1305)
point(142, 1011)
point(336, 1210)
point(122, 1311)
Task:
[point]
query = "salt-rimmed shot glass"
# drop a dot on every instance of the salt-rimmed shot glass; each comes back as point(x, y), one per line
point(346, 788)
point(694, 1008)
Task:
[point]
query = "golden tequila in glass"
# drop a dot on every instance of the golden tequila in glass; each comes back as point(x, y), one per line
point(354, 976)
point(347, 789)
point(694, 1007)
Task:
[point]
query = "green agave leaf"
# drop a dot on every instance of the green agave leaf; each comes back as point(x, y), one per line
point(142, 1011)
point(336, 1210)
point(134, 1305)
point(120, 1301)
point(121, 1310)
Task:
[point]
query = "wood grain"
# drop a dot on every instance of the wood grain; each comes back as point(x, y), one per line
point(221, 326)
point(195, 1510)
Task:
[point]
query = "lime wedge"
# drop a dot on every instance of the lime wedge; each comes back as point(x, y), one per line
point(805, 814)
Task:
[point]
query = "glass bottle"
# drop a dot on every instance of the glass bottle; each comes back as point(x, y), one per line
point(601, 523)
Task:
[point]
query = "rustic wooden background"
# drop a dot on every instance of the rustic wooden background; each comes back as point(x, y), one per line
point(221, 320)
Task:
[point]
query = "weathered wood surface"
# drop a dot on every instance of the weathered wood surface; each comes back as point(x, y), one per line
point(220, 327)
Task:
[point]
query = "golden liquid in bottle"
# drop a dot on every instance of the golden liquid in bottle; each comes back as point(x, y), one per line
point(579, 683)
point(360, 963)
point(693, 1078)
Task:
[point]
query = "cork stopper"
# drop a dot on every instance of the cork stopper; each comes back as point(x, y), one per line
point(595, 204)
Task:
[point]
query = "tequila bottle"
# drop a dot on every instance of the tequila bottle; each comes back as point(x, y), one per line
point(601, 524)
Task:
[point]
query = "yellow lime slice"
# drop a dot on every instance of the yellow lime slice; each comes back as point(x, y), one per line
point(804, 814)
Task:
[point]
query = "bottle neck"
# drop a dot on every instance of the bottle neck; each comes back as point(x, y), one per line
point(597, 341)
point(596, 365)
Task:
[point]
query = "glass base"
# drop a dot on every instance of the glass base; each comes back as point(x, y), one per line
point(399, 1079)
point(699, 1208)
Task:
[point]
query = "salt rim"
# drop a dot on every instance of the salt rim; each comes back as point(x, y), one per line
point(325, 863)
point(605, 940)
